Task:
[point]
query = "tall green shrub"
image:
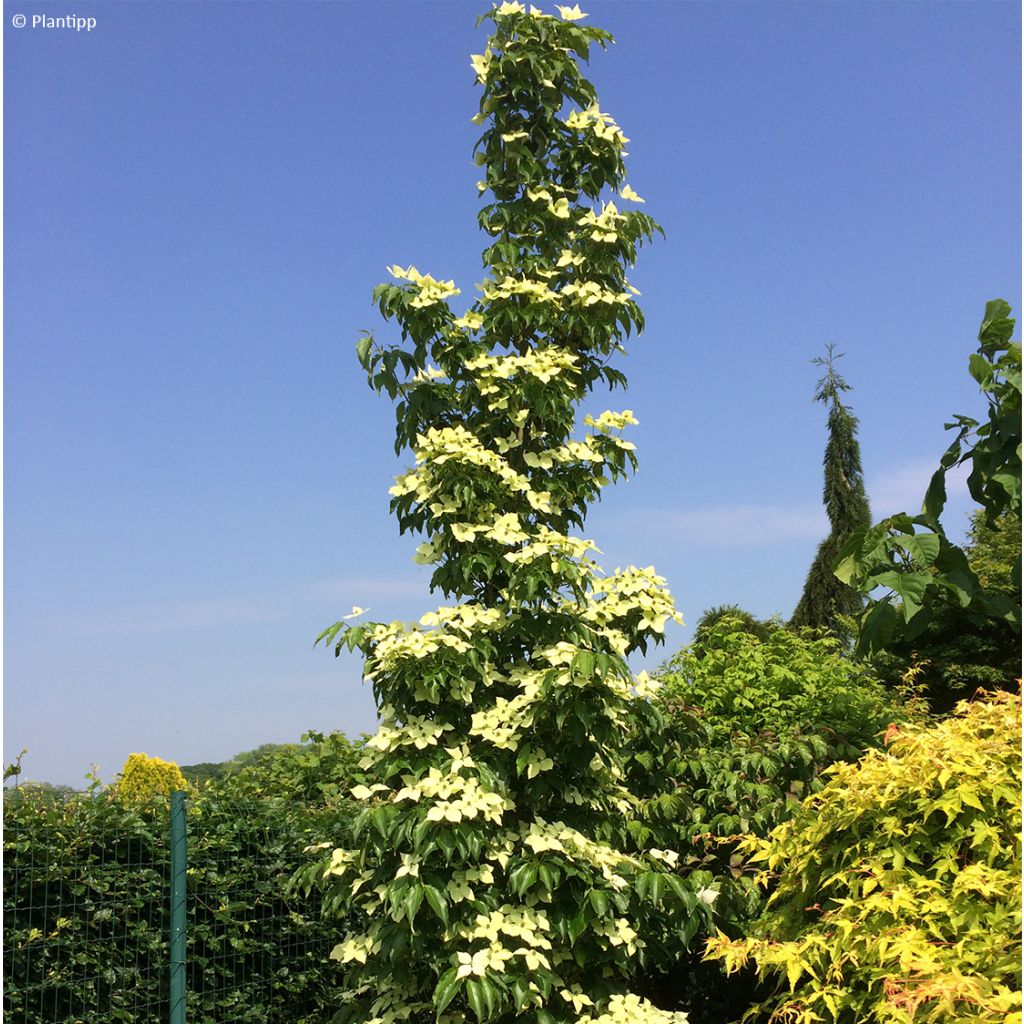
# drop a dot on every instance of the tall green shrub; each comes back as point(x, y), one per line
point(317, 772)
point(751, 723)
point(495, 867)
point(911, 556)
point(958, 652)
point(85, 887)
point(897, 888)
point(771, 714)
point(795, 692)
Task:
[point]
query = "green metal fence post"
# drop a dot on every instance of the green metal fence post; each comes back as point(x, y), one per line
point(179, 864)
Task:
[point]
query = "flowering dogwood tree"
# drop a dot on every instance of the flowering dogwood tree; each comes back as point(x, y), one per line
point(498, 866)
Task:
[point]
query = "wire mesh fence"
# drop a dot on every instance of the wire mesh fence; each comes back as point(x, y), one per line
point(87, 883)
point(84, 911)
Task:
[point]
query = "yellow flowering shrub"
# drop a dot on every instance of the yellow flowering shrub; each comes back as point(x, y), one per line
point(897, 892)
point(144, 777)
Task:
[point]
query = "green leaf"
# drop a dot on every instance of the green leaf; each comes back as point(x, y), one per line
point(922, 547)
point(600, 902)
point(997, 325)
point(547, 876)
point(577, 925)
point(363, 347)
point(477, 996)
point(654, 892)
point(862, 550)
point(412, 902)
point(380, 818)
point(583, 665)
point(876, 628)
point(328, 635)
point(446, 989)
point(935, 496)
point(520, 993)
point(679, 889)
point(910, 586)
point(980, 369)
point(437, 902)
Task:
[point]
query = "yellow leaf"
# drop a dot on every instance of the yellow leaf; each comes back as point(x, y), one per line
point(793, 971)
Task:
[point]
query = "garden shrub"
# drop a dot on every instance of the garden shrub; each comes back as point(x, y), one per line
point(318, 772)
point(143, 777)
point(897, 888)
point(911, 556)
point(494, 868)
point(745, 620)
point(772, 713)
point(212, 771)
point(85, 891)
point(85, 910)
point(258, 947)
point(751, 722)
point(958, 653)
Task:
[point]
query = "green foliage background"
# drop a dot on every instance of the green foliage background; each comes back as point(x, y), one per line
point(911, 556)
point(959, 652)
point(85, 909)
point(751, 721)
point(772, 714)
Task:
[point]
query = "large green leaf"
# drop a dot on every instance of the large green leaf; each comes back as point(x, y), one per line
point(910, 586)
point(476, 994)
point(412, 902)
point(437, 902)
point(876, 627)
point(923, 548)
point(446, 990)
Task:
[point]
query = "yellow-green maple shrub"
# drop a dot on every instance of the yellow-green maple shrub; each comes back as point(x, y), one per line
point(495, 869)
point(898, 886)
point(144, 777)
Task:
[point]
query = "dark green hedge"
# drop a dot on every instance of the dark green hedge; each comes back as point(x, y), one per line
point(86, 922)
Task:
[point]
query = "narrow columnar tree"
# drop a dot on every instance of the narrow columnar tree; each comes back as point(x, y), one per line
point(825, 599)
point(497, 868)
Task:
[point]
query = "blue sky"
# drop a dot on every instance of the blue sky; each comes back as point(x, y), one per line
point(199, 199)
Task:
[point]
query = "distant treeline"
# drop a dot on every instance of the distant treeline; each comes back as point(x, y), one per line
point(210, 771)
point(197, 774)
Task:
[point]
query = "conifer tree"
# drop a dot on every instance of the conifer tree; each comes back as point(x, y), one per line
point(499, 867)
point(825, 599)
